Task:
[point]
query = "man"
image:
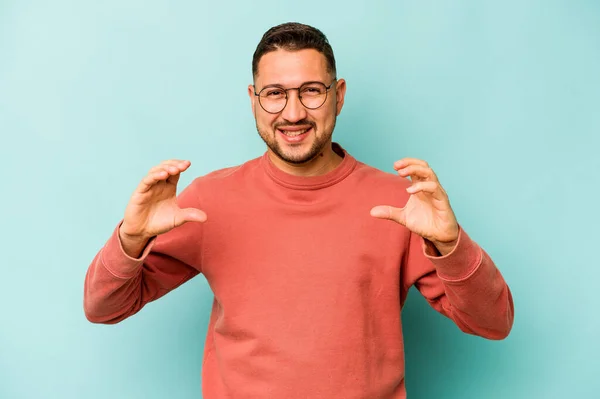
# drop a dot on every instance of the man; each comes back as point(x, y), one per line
point(309, 252)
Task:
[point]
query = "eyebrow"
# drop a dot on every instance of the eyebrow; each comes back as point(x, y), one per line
point(279, 85)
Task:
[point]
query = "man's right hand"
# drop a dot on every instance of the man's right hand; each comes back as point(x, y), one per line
point(153, 209)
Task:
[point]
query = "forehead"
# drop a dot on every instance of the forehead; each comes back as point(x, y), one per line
point(291, 68)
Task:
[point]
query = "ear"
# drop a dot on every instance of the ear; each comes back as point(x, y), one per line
point(252, 98)
point(340, 93)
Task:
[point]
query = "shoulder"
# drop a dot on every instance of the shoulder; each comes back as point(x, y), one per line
point(228, 176)
point(231, 172)
point(378, 178)
point(375, 186)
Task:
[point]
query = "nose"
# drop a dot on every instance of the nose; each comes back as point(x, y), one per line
point(294, 111)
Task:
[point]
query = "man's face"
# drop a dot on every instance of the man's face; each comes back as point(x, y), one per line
point(296, 134)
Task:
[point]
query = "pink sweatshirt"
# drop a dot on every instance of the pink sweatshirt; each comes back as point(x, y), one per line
point(308, 286)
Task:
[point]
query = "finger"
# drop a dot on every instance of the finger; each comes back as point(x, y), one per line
point(388, 212)
point(174, 178)
point(189, 215)
point(159, 173)
point(419, 171)
point(178, 163)
point(151, 179)
point(173, 171)
point(167, 170)
point(175, 161)
point(409, 161)
point(171, 168)
point(175, 168)
point(430, 187)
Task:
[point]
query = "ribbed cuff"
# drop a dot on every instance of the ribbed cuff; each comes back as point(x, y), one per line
point(117, 262)
point(461, 263)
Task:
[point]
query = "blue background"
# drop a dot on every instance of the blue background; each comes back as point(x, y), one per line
point(501, 98)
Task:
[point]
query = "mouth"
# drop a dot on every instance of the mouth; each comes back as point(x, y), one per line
point(294, 135)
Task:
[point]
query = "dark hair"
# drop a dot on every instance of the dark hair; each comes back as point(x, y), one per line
point(293, 36)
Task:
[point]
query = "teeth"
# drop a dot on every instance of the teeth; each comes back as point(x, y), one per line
point(294, 134)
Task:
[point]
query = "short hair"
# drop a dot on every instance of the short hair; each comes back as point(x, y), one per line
point(293, 36)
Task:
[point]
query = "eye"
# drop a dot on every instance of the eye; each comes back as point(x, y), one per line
point(274, 93)
point(313, 90)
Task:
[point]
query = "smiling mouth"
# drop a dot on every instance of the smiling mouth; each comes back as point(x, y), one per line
point(294, 133)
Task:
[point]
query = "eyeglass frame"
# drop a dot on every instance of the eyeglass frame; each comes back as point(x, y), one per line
point(327, 88)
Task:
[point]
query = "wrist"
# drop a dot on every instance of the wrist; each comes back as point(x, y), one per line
point(444, 248)
point(132, 244)
point(126, 233)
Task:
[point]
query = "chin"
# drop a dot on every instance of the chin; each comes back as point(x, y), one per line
point(295, 153)
point(300, 154)
point(296, 158)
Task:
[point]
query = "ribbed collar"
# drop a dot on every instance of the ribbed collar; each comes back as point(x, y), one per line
point(310, 182)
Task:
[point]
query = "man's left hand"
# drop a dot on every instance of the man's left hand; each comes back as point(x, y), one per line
point(427, 211)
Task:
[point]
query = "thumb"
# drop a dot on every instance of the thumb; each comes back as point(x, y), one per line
point(388, 212)
point(189, 215)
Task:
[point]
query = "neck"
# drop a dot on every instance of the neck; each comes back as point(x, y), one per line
point(323, 163)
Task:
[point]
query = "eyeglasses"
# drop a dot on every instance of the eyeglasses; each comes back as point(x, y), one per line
point(312, 95)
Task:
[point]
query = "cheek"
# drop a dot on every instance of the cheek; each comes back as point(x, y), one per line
point(265, 120)
point(323, 119)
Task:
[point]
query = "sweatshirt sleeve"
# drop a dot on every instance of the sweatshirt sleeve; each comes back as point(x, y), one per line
point(117, 286)
point(464, 285)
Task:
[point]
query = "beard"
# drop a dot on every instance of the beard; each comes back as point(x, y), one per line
point(297, 157)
